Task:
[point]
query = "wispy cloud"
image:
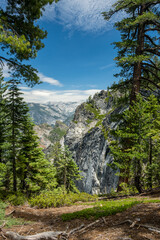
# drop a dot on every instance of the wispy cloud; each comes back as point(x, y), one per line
point(107, 66)
point(25, 88)
point(81, 14)
point(44, 96)
point(42, 77)
point(49, 80)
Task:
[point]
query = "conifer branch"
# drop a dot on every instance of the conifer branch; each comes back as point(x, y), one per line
point(149, 80)
point(151, 40)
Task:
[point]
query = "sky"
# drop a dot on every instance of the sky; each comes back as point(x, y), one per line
point(78, 58)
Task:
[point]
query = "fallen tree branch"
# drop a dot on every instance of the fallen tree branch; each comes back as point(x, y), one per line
point(40, 236)
point(7, 215)
point(89, 225)
point(76, 230)
point(135, 223)
point(1, 230)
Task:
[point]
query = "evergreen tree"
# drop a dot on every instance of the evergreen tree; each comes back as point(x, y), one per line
point(21, 37)
point(67, 170)
point(139, 125)
point(2, 117)
point(138, 46)
point(34, 171)
point(16, 110)
point(3, 143)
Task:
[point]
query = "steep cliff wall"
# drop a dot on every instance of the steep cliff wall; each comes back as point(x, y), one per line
point(90, 147)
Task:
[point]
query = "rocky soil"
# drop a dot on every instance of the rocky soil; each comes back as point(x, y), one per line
point(115, 227)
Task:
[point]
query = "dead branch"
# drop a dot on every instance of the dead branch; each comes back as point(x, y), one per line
point(135, 223)
point(3, 236)
point(51, 235)
point(104, 220)
point(89, 225)
point(75, 230)
point(2, 226)
point(7, 215)
point(40, 236)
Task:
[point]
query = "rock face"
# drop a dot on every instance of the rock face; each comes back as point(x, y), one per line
point(90, 148)
point(49, 135)
point(43, 132)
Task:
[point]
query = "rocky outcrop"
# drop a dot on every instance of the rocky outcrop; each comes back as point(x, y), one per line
point(86, 139)
point(43, 131)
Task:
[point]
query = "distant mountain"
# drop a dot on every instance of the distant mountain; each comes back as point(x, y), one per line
point(51, 112)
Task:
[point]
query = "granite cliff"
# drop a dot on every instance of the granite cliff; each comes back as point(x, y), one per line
point(87, 140)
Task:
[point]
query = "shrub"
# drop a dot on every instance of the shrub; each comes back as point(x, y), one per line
point(16, 199)
point(59, 197)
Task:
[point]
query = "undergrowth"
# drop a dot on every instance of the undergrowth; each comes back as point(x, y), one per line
point(57, 198)
point(9, 221)
point(102, 208)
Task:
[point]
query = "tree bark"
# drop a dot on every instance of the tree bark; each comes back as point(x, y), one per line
point(138, 65)
point(150, 163)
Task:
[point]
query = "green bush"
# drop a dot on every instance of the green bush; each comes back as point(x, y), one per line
point(59, 197)
point(16, 199)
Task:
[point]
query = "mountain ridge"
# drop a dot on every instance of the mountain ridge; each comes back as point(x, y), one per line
point(51, 112)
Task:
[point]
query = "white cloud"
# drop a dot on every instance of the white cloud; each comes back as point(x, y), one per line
point(42, 77)
point(81, 14)
point(44, 96)
point(25, 88)
point(6, 71)
point(49, 80)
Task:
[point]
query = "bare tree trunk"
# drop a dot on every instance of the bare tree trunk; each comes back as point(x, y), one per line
point(138, 65)
point(150, 163)
point(41, 236)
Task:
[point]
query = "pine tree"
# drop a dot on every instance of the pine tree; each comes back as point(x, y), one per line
point(139, 126)
point(34, 171)
point(67, 170)
point(21, 37)
point(2, 117)
point(3, 143)
point(16, 110)
point(138, 46)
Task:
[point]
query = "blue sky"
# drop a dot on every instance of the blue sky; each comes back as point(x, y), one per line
point(77, 60)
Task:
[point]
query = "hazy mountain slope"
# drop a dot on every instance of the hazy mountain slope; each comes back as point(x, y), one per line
point(51, 112)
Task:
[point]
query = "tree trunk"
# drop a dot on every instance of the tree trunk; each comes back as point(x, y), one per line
point(150, 163)
point(138, 65)
point(14, 170)
point(13, 150)
point(137, 178)
point(65, 177)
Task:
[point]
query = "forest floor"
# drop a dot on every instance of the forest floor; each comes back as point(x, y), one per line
point(115, 227)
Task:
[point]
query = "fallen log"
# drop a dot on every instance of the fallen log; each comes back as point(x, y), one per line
point(40, 236)
point(9, 214)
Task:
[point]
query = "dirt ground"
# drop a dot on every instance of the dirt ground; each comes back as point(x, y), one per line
point(109, 228)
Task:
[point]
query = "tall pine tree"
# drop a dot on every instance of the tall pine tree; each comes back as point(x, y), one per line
point(16, 111)
point(33, 170)
point(140, 124)
point(3, 89)
point(138, 46)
